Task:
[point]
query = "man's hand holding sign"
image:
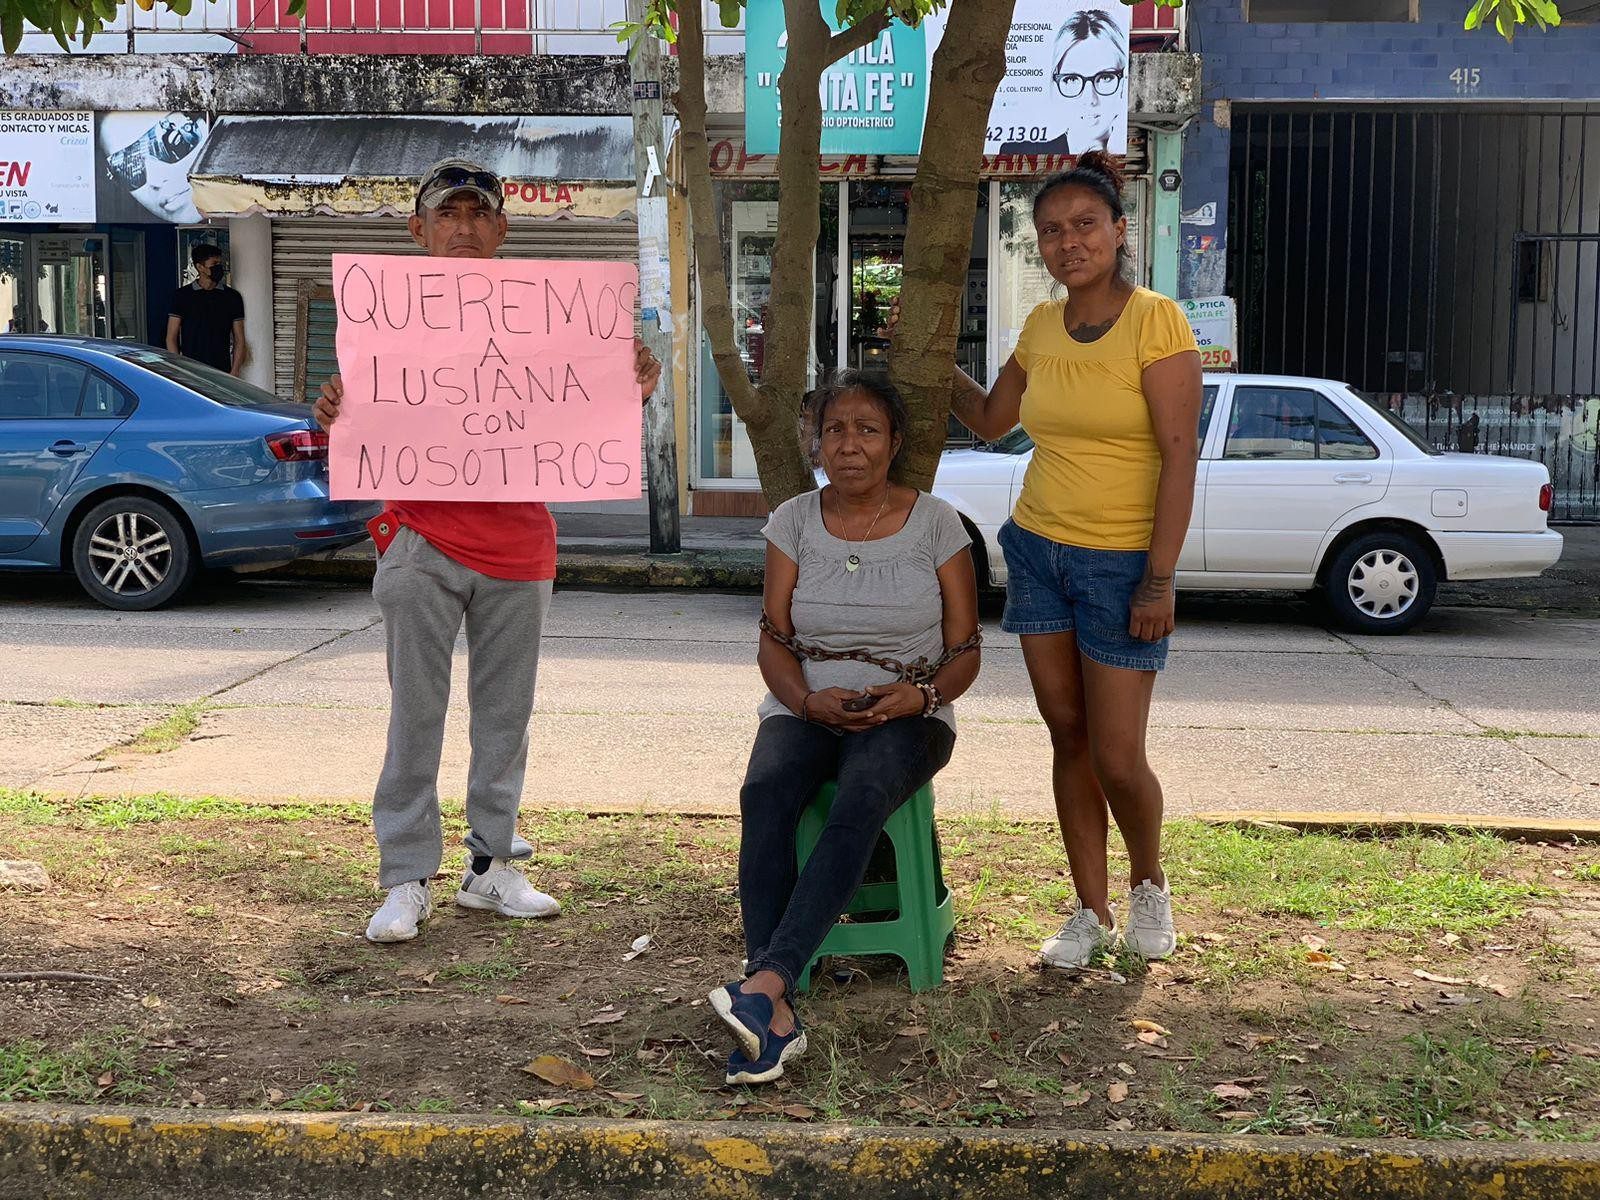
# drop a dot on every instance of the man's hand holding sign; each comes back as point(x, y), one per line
point(468, 379)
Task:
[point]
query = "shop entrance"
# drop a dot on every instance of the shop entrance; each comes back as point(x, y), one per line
point(56, 283)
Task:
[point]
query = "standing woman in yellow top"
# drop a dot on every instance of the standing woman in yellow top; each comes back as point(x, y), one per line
point(1107, 384)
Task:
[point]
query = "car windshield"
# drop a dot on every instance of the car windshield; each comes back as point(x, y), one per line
point(197, 377)
point(1395, 419)
point(1015, 442)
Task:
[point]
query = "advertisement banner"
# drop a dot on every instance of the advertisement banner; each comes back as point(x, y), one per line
point(47, 166)
point(1216, 329)
point(873, 101)
point(144, 160)
point(1065, 90)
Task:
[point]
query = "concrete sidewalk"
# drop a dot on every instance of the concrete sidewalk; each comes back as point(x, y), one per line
point(612, 549)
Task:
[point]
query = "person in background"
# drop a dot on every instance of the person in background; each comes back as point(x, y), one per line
point(867, 567)
point(206, 319)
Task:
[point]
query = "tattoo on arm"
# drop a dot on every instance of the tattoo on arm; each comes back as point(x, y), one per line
point(1153, 589)
point(967, 398)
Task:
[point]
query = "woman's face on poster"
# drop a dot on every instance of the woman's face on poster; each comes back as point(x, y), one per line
point(1097, 71)
point(151, 160)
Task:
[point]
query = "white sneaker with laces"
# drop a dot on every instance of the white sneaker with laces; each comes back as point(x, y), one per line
point(1150, 933)
point(1080, 939)
point(402, 911)
point(503, 889)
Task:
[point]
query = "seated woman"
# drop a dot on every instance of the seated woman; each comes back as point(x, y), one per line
point(870, 630)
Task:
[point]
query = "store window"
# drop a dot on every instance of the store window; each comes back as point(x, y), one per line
point(748, 230)
point(128, 321)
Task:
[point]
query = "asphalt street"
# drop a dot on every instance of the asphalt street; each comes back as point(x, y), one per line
point(646, 701)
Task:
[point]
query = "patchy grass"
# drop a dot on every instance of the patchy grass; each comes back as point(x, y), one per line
point(1421, 986)
point(170, 732)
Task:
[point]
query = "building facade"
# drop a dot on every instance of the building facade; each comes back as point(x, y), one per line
point(1411, 208)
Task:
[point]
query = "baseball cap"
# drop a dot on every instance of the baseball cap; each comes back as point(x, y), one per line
point(452, 176)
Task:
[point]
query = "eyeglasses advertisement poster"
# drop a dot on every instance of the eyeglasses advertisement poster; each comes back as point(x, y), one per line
point(1065, 89)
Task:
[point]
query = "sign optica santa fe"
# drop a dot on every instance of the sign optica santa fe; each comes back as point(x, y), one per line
point(472, 379)
point(1065, 90)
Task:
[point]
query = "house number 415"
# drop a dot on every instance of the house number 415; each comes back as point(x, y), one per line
point(1466, 79)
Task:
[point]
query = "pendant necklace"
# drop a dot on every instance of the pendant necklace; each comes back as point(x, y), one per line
point(853, 563)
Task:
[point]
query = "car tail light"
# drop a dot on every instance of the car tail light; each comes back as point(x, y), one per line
point(1547, 497)
point(298, 445)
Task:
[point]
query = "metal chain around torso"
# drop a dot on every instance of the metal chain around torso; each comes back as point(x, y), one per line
point(920, 671)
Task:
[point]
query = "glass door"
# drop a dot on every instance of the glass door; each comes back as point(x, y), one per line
point(72, 278)
point(14, 285)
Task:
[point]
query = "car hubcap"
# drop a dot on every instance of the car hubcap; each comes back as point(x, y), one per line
point(130, 554)
point(1383, 584)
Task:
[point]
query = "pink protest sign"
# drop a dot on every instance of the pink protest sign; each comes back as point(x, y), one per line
point(474, 379)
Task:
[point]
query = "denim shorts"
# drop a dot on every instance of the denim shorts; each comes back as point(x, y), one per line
point(1055, 588)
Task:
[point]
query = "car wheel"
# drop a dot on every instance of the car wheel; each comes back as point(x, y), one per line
point(133, 553)
point(1382, 582)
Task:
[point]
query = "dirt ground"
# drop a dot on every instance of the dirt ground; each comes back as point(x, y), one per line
point(1425, 986)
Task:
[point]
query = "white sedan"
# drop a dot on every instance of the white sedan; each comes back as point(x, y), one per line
point(1304, 484)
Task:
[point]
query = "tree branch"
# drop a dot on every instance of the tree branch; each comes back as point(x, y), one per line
point(862, 33)
point(716, 306)
point(967, 69)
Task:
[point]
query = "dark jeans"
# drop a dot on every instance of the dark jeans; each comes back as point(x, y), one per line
point(787, 912)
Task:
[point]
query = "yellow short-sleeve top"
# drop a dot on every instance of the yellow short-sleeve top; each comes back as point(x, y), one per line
point(1092, 481)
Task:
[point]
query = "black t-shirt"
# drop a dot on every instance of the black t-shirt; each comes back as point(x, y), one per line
point(207, 316)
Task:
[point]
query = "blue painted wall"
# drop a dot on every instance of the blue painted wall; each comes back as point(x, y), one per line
point(1344, 62)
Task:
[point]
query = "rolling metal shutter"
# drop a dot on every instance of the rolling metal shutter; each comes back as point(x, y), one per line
point(301, 250)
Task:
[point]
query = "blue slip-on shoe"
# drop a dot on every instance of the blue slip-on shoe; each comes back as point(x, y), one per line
point(770, 1066)
point(747, 1015)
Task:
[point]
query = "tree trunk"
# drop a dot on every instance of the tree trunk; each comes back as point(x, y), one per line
point(967, 68)
point(770, 411)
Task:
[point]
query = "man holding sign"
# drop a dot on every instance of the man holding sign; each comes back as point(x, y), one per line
point(469, 393)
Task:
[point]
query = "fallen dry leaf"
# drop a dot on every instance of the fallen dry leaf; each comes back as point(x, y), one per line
point(912, 1031)
point(1074, 1096)
point(504, 999)
point(1117, 1093)
point(1150, 1038)
point(558, 1072)
point(151, 1001)
point(607, 1016)
point(640, 945)
point(594, 1051)
point(1151, 1027)
point(989, 1085)
point(1120, 1125)
point(626, 1097)
point(1237, 1114)
point(1312, 942)
point(1231, 1091)
point(1448, 980)
point(105, 1080)
point(799, 1112)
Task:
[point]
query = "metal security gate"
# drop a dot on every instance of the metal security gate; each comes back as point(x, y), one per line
point(1445, 259)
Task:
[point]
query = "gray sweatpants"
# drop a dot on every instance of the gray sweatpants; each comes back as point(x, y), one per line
point(424, 596)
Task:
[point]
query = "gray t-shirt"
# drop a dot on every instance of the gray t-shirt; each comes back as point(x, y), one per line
point(891, 607)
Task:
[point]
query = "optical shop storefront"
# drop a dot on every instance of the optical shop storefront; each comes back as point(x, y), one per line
point(1069, 80)
point(98, 220)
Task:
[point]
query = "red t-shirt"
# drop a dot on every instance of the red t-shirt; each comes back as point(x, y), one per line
point(504, 540)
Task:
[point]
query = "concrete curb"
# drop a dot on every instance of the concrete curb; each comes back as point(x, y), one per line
point(96, 1152)
point(711, 570)
point(1394, 824)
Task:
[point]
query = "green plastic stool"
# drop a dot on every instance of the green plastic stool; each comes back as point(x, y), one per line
point(923, 916)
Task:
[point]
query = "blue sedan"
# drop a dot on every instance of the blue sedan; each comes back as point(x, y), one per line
point(133, 468)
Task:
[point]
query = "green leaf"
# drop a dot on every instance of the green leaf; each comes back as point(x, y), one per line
point(181, 7)
point(728, 11)
point(1475, 14)
point(297, 9)
point(11, 28)
point(106, 10)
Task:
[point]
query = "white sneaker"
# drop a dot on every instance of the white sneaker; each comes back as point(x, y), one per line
point(397, 919)
point(1150, 934)
point(1080, 939)
point(503, 889)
